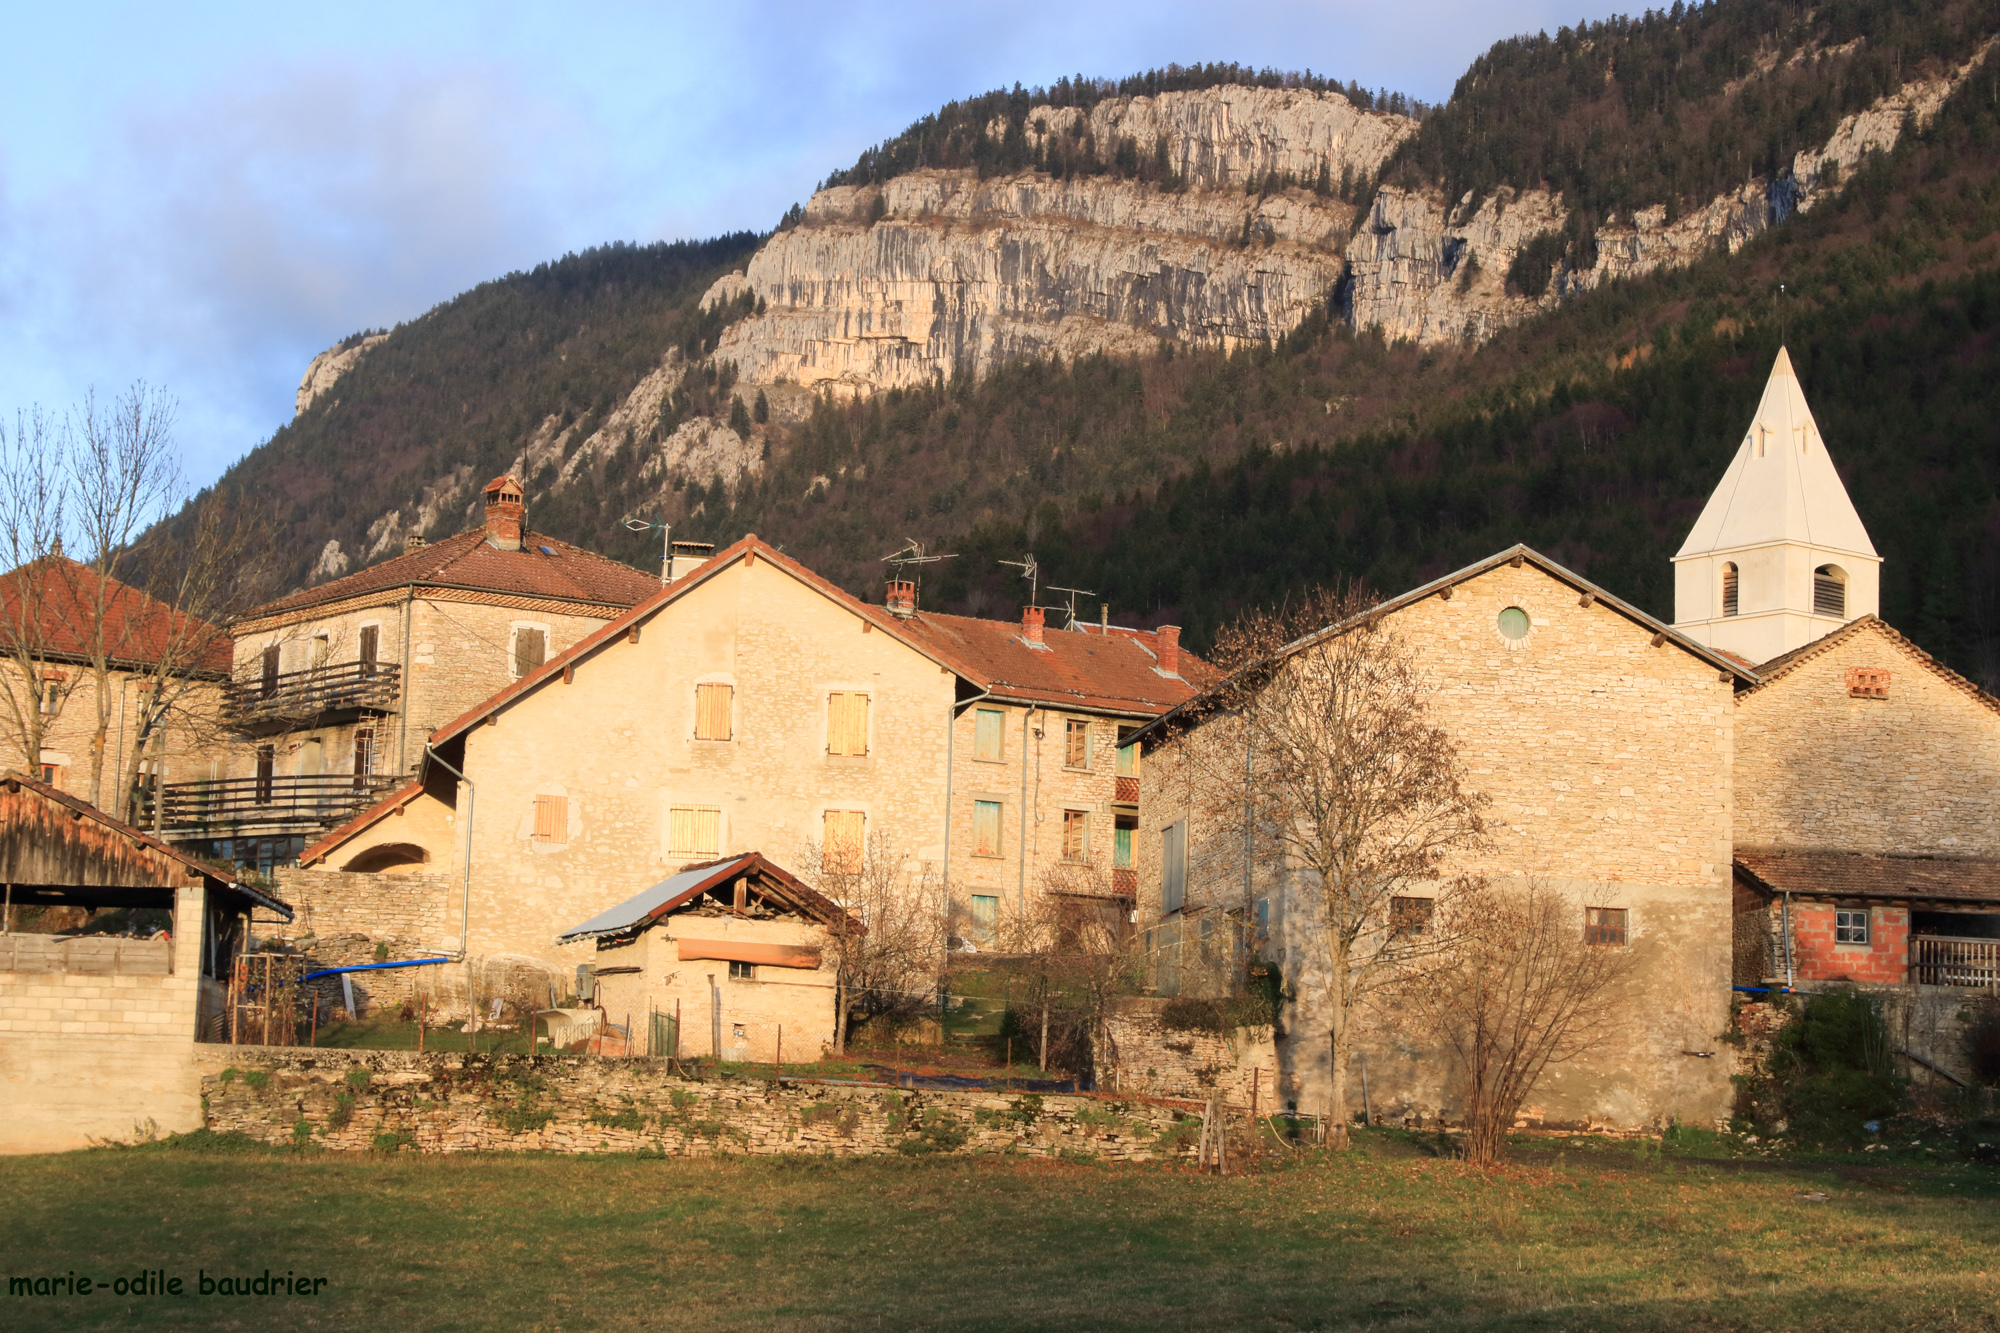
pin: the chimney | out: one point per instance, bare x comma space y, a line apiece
901, 599
506, 512
687, 558
414, 542
1167, 643
1031, 623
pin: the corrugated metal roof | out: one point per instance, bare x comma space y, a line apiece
663, 897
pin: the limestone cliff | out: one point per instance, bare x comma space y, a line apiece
330, 365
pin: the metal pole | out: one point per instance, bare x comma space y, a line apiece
1786, 921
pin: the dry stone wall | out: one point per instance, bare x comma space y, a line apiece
390, 1100
1145, 1056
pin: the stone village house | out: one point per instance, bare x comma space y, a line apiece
753, 707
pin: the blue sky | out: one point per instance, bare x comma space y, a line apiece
204, 196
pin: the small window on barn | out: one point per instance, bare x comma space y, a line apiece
1830, 592
713, 705
1076, 743
847, 723
1173, 867
1729, 590
989, 735
1850, 927
1076, 835
742, 971
1868, 682
531, 649
1605, 925
841, 846
1411, 916
986, 828
552, 819
694, 830
1513, 623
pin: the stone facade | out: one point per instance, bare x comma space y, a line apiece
1143, 1055
182, 747
353, 1100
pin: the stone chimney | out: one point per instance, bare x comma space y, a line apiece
1031, 623
414, 542
1167, 643
506, 512
901, 599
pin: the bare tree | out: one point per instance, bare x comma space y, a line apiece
889, 943
33, 499
1070, 958
1319, 756
1524, 988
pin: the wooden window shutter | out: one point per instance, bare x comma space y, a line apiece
1173, 868
847, 723
269, 680
712, 712
694, 830
552, 819
989, 737
1076, 744
1076, 835
530, 650
841, 846
986, 828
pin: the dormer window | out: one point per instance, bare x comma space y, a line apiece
1729, 590
1830, 592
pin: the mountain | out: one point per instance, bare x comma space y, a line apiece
1104, 319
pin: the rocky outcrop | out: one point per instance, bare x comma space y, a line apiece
891, 285
330, 365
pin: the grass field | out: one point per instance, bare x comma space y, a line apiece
1385, 1237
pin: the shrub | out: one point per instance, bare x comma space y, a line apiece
1982, 1043
394, 1142
628, 1118
228, 1076
1218, 1017
256, 1080
1831, 1068
357, 1079
935, 1130
342, 1113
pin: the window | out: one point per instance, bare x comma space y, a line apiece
1513, 623
52, 774
267, 764
1076, 744
1829, 592
694, 830
268, 681
986, 828
531, 649
1729, 590
1121, 845
1604, 925
713, 705
1850, 927
552, 819
1076, 835
52, 692
366, 647
985, 912
989, 735
1173, 867
742, 971
847, 723
1411, 916
364, 756
322, 649
1128, 758
840, 848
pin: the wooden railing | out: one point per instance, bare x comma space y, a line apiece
322, 800
256, 699
1125, 791
1125, 883
1943, 960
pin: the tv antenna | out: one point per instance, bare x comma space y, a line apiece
1030, 571
1074, 593
912, 553
666, 543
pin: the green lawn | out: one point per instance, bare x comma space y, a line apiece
1382, 1238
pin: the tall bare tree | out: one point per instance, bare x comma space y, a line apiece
889, 944
1523, 987
1320, 757
1069, 958
33, 501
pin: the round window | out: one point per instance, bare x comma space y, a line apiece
1514, 623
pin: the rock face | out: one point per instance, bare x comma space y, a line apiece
885, 286
329, 366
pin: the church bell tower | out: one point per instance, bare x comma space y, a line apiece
1778, 557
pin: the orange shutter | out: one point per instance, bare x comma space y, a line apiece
712, 712
552, 819
847, 723
694, 830
841, 850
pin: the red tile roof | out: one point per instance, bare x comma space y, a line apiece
1785, 663
1857, 875
543, 567
53, 603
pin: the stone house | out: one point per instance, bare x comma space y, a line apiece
334, 688
727, 960
98, 1033
1603, 740
751, 705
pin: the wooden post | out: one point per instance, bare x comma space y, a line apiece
423, 1005
314, 1039
778, 1065
1256, 1079
677, 1029
1367, 1114
267, 999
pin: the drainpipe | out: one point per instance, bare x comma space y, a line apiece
1787, 920
1021, 890
715, 1017
403, 689
465, 921
950, 737
118, 765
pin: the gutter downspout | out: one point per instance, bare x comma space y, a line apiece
465, 921
1021, 890
403, 688
951, 714
1787, 919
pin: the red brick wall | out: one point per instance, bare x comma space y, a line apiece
1815, 957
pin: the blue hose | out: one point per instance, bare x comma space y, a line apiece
371, 967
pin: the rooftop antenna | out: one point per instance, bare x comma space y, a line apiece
1074, 593
912, 553
1030, 571
666, 543
1781, 314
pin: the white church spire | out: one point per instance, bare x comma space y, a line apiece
1778, 557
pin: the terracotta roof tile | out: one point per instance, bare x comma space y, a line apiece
1783, 665
1858, 875
543, 567
1116, 671
61, 596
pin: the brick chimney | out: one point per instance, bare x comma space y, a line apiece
506, 512
1031, 623
1167, 643
414, 542
901, 598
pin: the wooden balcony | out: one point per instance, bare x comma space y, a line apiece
229, 807
1944, 960
260, 703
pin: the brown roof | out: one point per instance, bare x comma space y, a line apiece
60, 597
396, 799
1785, 663
543, 567
1859, 875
